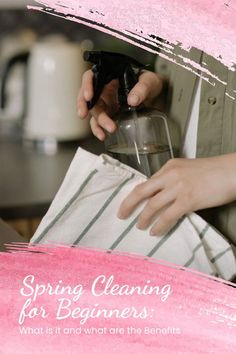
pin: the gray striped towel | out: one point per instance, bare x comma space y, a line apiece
84, 213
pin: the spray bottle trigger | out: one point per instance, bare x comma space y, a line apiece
98, 85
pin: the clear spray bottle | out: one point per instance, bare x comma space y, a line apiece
142, 139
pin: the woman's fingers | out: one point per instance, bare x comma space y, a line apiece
154, 206
140, 193
167, 219
101, 121
87, 85
82, 108
162, 202
102, 118
85, 94
97, 131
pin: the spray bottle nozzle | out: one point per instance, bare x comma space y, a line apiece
109, 66
92, 56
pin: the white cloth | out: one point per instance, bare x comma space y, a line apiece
84, 213
190, 141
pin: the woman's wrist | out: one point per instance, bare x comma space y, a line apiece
228, 166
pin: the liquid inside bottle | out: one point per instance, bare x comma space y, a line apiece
147, 160
141, 140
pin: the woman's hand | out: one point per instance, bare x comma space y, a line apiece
146, 90
180, 187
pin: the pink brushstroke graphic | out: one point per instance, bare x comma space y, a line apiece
205, 24
189, 312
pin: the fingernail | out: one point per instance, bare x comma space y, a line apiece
120, 215
100, 136
80, 112
140, 226
155, 233
87, 95
152, 233
134, 100
109, 128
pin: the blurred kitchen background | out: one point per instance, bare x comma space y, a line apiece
41, 67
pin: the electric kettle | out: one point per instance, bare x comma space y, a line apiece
54, 73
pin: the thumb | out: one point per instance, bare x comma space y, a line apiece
148, 86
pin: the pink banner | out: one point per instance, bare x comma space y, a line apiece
75, 300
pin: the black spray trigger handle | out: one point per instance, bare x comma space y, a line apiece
98, 85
